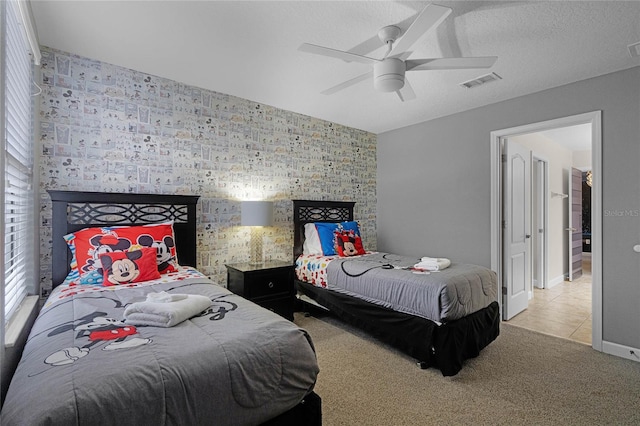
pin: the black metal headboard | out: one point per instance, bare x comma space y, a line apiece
306, 211
74, 210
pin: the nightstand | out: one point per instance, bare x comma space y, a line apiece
268, 284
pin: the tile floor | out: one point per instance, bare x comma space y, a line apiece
563, 310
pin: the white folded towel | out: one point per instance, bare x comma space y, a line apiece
163, 296
433, 263
172, 309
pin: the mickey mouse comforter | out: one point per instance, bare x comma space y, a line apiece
234, 363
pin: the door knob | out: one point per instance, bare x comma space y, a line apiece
636, 248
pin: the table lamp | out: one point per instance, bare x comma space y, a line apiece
256, 214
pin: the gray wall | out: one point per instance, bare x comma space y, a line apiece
434, 185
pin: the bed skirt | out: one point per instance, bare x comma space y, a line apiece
445, 346
308, 412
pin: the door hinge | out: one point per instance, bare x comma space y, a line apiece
504, 224
504, 291
504, 158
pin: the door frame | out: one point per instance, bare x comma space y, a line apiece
595, 119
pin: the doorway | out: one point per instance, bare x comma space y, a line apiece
562, 306
499, 252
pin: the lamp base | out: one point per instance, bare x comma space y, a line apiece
255, 246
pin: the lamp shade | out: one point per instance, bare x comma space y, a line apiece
256, 213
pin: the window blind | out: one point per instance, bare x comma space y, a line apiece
19, 230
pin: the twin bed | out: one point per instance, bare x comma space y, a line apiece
234, 363
440, 319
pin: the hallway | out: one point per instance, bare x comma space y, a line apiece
563, 310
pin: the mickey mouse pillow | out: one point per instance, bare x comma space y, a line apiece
87, 245
348, 243
125, 267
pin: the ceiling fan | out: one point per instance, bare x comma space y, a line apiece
389, 72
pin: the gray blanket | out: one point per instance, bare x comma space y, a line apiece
234, 364
441, 296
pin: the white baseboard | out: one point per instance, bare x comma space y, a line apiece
621, 351
555, 281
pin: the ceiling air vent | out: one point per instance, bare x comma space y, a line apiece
634, 50
481, 80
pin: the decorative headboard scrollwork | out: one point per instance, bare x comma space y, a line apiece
91, 213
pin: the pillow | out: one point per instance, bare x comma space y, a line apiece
87, 245
311, 243
160, 237
347, 243
326, 234
125, 267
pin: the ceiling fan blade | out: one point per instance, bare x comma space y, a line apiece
406, 93
430, 17
450, 63
351, 82
333, 53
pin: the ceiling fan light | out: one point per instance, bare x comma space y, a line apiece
388, 83
388, 75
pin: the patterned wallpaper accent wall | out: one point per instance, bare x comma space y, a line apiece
108, 128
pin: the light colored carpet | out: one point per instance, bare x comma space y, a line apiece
522, 378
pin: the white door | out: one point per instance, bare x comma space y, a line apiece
575, 224
540, 227
516, 227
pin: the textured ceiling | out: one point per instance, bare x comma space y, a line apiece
249, 49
